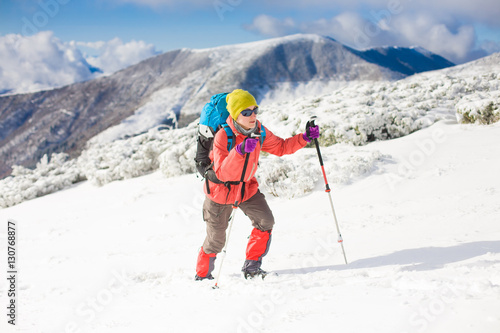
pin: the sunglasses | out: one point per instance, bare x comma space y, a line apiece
248, 112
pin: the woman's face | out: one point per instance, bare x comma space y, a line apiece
247, 122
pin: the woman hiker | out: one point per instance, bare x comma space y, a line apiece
228, 167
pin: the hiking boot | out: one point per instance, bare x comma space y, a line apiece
199, 278
251, 274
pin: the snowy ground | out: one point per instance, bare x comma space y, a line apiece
421, 232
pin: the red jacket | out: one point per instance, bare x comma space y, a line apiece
228, 165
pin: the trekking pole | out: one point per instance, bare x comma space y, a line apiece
327, 190
231, 218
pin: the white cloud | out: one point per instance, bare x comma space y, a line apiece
272, 27
114, 55
454, 44
42, 61
441, 35
485, 11
39, 62
490, 46
348, 28
353, 30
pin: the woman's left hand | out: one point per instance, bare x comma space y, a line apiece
312, 132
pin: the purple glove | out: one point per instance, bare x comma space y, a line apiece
247, 146
311, 133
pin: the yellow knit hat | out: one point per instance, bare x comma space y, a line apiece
239, 100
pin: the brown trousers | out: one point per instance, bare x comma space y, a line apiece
217, 218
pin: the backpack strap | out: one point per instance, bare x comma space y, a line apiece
262, 135
210, 174
230, 136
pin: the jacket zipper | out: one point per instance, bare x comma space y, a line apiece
251, 172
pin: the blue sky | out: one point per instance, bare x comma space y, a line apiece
167, 27
459, 30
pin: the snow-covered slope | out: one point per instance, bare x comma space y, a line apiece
420, 229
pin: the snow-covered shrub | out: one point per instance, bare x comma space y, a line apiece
298, 174
345, 166
328, 136
50, 175
120, 160
481, 108
288, 177
136, 156
178, 160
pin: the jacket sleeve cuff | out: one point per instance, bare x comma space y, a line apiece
238, 149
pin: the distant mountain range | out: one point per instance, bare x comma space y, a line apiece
407, 61
171, 88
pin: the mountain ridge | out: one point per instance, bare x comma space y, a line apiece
180, 81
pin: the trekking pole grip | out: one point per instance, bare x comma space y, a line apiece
311, 123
